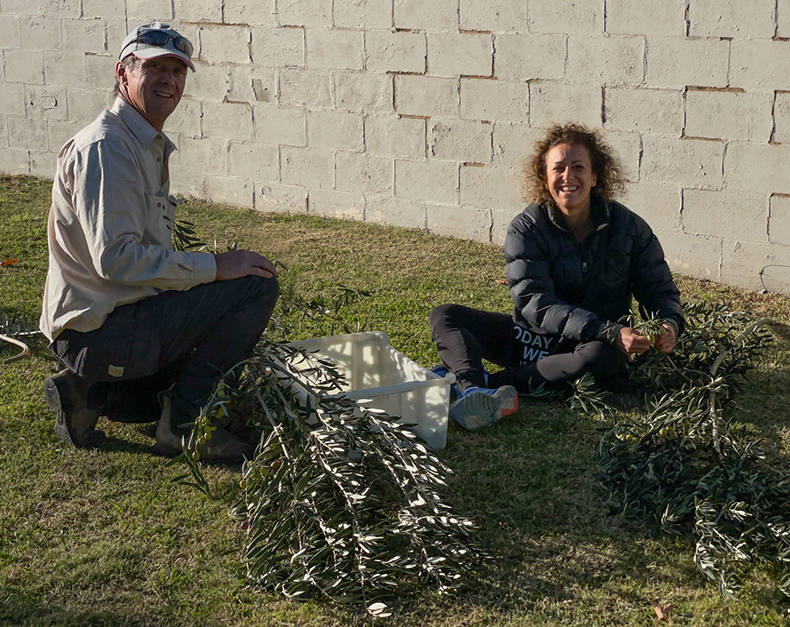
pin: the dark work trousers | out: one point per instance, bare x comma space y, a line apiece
184, 339
466, 336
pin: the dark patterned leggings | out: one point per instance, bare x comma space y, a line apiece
465, 336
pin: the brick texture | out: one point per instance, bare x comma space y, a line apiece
396, 137
553, 103
460, 140
427, 180
567, 16
489, 100
454, 54
659, 204
418, 14
676, 63
530, 56
657, 17
609, 60
363, 14
472, 223
494, 15
779, 220
733, 215
426, 95
730, 18
644, 110
395, 52
730, 115
687, 162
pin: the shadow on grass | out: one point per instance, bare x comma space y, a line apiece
14, 611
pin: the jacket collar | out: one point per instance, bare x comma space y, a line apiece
599, 212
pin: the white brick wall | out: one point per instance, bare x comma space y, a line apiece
420, 114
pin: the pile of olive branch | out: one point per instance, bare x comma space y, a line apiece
339, 500
684, 467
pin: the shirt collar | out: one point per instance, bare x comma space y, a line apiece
138, 125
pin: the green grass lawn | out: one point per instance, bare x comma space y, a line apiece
103, 537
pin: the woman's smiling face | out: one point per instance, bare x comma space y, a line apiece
570, 177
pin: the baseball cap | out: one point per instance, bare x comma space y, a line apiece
157, 39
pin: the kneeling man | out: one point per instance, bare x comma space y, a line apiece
133, 320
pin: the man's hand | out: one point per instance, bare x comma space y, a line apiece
665, 342
631, 342
235, 264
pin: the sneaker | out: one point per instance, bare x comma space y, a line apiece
76, 424
222, 446
481, 407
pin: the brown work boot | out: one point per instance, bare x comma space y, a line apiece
76, 424
221, 447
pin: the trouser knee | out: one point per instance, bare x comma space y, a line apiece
441, 316
257, 289
602, 360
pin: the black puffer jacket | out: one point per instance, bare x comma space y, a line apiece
561, 287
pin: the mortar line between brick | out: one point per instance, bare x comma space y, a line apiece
773, 119
776, 19
685, 113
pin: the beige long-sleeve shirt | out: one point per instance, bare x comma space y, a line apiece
110, 224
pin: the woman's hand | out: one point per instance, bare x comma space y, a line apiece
665, 343
631, 342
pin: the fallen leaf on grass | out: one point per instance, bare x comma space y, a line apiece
500, 281
662, 611
7, 262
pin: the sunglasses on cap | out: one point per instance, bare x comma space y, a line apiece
160, 38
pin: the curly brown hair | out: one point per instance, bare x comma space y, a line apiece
605, 165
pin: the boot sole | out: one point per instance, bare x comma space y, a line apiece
59, 399
53, 397
482, 410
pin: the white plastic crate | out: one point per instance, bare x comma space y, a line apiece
379, 376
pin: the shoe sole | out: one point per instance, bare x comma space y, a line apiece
479, 410
58, 400
53, 397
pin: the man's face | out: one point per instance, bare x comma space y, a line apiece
153, 87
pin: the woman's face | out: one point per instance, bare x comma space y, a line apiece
570, 178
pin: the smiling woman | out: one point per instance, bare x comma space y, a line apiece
575, 257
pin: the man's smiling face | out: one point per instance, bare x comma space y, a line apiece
153, 86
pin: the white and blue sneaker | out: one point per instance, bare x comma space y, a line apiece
481, 407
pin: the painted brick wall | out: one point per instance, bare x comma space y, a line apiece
418, 113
